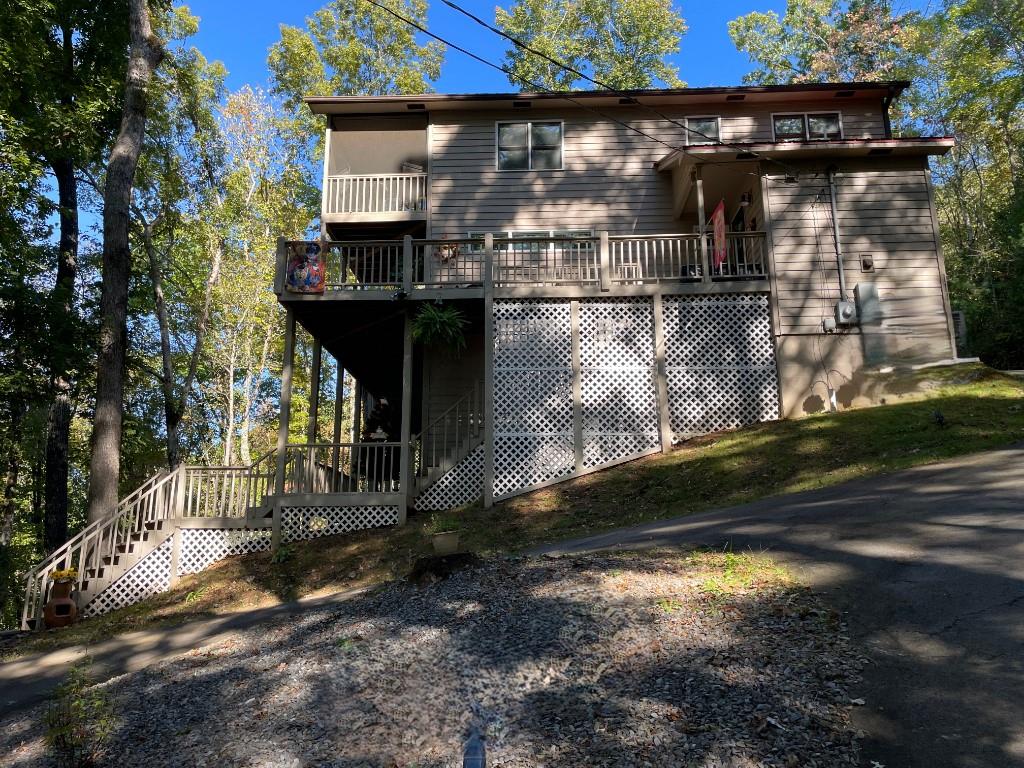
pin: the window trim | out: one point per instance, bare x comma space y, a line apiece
702, 143
529, 146
807, 127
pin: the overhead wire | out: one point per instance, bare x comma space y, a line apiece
605, 86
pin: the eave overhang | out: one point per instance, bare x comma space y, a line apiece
800, 150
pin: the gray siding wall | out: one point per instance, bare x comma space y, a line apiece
884, 211
608, 181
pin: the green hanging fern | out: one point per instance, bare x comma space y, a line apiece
440, 326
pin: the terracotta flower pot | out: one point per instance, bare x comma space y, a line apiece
60, 610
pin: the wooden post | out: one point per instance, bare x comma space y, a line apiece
286, 399
175, 557
405, 470
324, 193
179, 492
577, 384
314, 393
407, 263
605, 260
339, 410
702, 225
488, 403
661, 377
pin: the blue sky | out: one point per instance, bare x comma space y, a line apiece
241, 37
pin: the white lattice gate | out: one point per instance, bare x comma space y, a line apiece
720, 362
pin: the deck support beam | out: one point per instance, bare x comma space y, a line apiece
286, 399
314, 393
339, 412
661, 376
488, 404
577, 385
702, 225
405, 471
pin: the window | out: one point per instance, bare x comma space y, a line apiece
555, 234
702, 130
814, 125
529, 146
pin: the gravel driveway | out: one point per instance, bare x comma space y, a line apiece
596, 660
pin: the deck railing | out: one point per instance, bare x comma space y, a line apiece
603, 261
217, 491
376, 193
343, 468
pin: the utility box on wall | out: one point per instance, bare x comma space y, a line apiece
869, 310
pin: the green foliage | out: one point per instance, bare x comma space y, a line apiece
623, 44
78, 721
824, 41
196, 595
441, 326
282, 555
442, 522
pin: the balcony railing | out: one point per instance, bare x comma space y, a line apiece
600, 263
397, 193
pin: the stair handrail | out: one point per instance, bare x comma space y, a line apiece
100, 538
472, 403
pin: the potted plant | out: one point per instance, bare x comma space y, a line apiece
60, 610
440, 326
444, 532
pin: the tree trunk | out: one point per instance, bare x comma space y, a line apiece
104, 469
62, 334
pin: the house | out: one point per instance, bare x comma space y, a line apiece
634, 268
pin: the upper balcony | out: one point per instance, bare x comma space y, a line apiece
523, 266
366, 197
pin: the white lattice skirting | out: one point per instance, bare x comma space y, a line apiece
150, 576
460, 485
312, 522
720, 362
202, 547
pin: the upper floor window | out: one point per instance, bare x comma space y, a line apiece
703, 130
529, 146
813, 125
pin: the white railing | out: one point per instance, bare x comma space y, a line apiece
544, 261
215, 491
362, 265
658, 259
343, 468
450, 436
89, 550
376, 193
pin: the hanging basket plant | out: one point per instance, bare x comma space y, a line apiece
440, 326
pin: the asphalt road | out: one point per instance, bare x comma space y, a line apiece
928, 566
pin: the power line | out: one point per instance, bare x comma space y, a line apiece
539, 88
622, 94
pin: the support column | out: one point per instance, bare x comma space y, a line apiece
577, 385
286, 399
702, 225
405, 471
488, 403
314, 393
339, 410
661, 377
357, 424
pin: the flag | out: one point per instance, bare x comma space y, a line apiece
718, 227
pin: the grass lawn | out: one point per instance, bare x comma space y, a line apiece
980, 409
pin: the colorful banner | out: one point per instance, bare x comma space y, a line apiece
719, 249
305, 268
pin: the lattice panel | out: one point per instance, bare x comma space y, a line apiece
531, 402
533, 380
617, 387
460, 485
315, 521
148, 577
720, 362
201, 547
532, 335
524, 461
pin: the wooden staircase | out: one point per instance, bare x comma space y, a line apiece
448, 439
